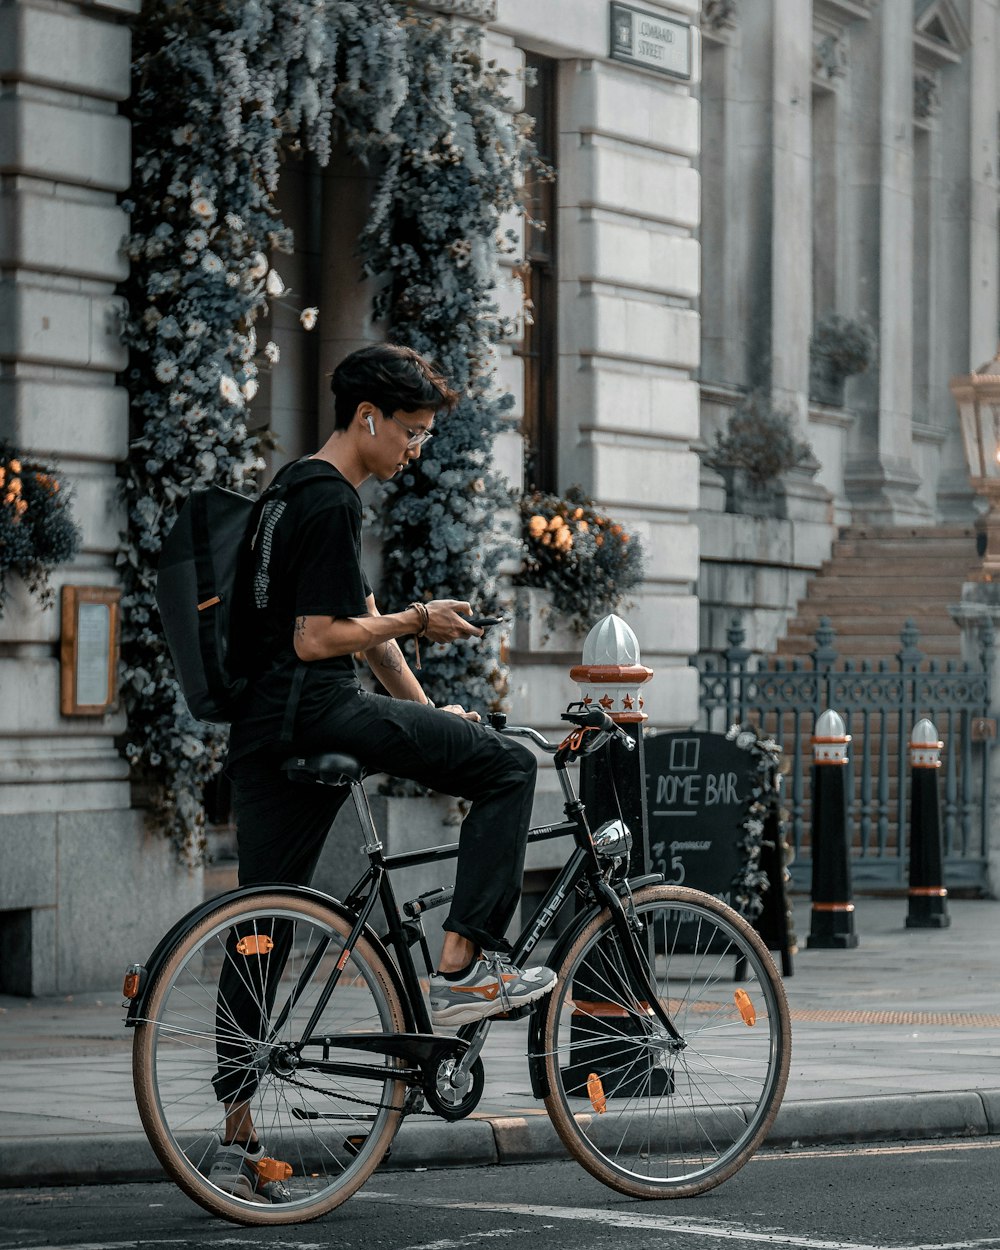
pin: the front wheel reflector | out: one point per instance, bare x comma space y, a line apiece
745, 1008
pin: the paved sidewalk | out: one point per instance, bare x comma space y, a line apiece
898, 1038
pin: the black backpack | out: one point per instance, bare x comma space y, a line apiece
201, 590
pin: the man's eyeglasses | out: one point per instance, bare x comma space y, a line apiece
417, 437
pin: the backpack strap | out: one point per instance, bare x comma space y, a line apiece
204, 580
279, 489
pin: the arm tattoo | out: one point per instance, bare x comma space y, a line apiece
390, 656
300, 626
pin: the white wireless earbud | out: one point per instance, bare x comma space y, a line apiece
371, 424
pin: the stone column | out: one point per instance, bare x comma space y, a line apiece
629, 332
791, 196
82, 887
879, 476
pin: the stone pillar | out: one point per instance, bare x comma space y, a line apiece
879, 476
82, 888
629, 332
791, 217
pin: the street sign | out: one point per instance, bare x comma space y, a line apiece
651, 40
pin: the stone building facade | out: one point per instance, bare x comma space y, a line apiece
811, 156
849, 165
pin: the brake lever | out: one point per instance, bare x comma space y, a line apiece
624, 738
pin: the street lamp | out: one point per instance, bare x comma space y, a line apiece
978, 398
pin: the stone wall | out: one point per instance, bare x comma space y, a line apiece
83, 890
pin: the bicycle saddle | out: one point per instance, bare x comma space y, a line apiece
329, 769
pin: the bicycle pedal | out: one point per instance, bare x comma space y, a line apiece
516, 1013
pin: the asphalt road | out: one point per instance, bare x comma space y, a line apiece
921, 1196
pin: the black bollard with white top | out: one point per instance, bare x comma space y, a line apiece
928, 898
832, 924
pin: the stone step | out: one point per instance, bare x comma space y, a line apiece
875, 623
829, 586
870, 564
905, 533
877, 646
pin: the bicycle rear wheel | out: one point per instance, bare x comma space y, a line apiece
236, 990
647, 1118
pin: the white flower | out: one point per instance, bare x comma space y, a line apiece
196, 239
166, 371
249, 388
211, 263
188, 257
273, 352
183, 134
234, 221
196, 328
150, 317
274, 285
308, 317
232, 279
258, 265
203, 208
229, 391
177, 399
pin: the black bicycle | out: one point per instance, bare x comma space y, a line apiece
661, 1054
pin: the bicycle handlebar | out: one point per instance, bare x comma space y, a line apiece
591, 718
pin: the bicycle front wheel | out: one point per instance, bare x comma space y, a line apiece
649, 1116
222, 1029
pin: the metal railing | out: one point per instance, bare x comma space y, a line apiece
880, 701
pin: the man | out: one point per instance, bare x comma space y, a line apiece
312, 611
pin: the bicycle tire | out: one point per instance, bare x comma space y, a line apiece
674, 1124
175, 1056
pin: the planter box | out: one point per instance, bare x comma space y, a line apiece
538, 628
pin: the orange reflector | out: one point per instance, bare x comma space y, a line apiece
745, 1008
595, 1091
256, 945
131, 986
273, 1169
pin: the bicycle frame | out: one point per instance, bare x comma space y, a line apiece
422, 1048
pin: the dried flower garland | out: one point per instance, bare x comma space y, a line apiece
452, 166
752, 882
217, 92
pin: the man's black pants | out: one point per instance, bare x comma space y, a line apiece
281, 826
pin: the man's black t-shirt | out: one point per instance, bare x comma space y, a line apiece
306, 561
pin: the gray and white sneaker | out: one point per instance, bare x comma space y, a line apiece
492, 986
246, 1172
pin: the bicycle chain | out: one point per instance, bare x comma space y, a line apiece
364, 1102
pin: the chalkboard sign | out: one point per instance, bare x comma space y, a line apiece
698, 789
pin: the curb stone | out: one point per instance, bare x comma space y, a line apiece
122, 1157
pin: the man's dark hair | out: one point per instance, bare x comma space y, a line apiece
391, 378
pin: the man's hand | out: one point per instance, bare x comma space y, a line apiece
447, 621
457, 710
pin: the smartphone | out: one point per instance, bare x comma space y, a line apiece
484, 622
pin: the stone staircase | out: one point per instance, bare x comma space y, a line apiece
878, 578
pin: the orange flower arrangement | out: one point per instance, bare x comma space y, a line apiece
37, 531
586, 561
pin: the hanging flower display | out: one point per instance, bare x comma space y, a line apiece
585, 560
37, 531
218, 92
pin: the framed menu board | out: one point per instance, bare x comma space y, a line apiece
89, 650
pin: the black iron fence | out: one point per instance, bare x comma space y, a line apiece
880, 701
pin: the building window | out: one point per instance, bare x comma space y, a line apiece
539, 347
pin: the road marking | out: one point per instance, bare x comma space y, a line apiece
719, 1229
821, 1152
455, 1243
137, 1243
